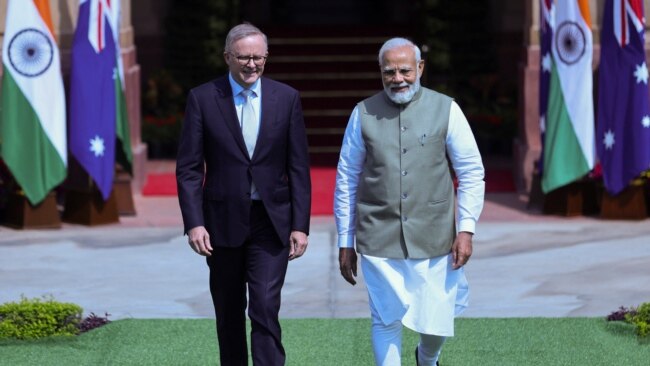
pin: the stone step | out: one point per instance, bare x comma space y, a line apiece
325, 84
322, 46
334, 69
322, 64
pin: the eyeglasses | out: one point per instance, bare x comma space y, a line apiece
244, 60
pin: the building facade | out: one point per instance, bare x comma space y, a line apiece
512, 61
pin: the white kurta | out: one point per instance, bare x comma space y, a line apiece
425, 294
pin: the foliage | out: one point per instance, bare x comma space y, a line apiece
38, 318
93, 321
459, 50
458, 42
621, 314
194, 38
642, 179
195, 31
641, 319
432, 25
162, 106
492, 115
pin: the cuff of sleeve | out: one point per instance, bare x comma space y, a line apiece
468, 225
346, 241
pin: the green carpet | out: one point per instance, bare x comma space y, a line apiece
339, 342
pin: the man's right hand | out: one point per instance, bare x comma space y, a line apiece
348, 264
199, 239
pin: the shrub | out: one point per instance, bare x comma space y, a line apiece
641, 319
93, 321
38, 318
621, 314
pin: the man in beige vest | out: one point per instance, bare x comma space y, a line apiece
395, 195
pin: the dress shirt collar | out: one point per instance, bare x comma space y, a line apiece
237, 89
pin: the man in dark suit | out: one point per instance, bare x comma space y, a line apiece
245, 194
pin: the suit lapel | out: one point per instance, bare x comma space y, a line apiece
269, 99
226, 103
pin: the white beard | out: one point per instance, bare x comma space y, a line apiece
405, 96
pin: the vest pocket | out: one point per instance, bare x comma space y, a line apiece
437, 202
371, 203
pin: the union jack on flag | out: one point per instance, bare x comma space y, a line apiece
626, 12
97, 24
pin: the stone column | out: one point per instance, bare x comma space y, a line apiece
527, 145
132, 82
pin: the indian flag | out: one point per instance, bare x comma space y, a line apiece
569, 150
33, 116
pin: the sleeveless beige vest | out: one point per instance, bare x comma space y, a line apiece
405, 203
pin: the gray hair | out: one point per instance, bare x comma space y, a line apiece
242, 31
398, 42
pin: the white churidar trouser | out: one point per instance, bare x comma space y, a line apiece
424, 295
387, 344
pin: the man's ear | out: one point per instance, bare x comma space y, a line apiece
420, 67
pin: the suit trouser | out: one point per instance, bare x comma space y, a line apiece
261, 263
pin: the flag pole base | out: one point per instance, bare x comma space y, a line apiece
20, 214
123, 193
87, 207
574, 199
631, 204
536, 196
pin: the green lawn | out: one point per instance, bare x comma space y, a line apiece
339, 342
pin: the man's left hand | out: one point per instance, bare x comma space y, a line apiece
297, 244
461, 250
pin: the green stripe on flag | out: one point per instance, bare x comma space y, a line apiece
24, 146
564, 161
123, 154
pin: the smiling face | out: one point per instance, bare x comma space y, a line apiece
401, 73
252, 47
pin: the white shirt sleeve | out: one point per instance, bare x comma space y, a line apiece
466, 161
348, 173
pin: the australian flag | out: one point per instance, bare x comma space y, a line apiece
623, 120
92, 93
546, 64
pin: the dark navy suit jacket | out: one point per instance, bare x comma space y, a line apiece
214, 171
